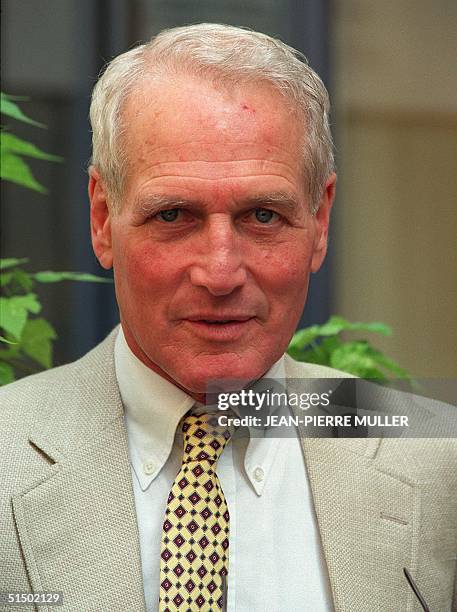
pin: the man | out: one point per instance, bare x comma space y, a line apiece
211, 187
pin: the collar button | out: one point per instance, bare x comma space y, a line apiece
149, 467
259, 474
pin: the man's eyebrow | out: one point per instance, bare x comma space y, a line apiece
284, 199
153, 203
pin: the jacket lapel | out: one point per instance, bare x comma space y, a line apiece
368, 517
77, 523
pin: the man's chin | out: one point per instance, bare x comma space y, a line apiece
201, 379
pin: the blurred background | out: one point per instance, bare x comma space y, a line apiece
390, 69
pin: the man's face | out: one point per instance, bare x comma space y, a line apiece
214, 243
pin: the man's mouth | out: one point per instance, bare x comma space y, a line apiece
222, 321
220, 328
218, 320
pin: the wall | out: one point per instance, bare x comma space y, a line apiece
396, 216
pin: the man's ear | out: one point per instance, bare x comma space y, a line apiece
322, 220
100, 220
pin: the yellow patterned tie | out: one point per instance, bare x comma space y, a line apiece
195, 536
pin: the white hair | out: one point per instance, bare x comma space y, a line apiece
229, 53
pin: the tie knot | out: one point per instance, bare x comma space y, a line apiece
204, 438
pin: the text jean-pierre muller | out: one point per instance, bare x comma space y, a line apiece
327, 420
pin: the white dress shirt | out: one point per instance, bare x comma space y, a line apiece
275, 555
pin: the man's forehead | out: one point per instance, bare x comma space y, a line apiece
208, 102
189, 129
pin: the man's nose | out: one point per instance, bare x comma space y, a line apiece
218, 265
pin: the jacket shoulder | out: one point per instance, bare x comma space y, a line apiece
27, 399
24, 403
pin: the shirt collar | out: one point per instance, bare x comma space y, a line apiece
153, 409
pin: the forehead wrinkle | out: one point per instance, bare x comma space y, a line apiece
223, 179
218, 167
152, 147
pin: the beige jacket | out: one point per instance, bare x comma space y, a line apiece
67, 514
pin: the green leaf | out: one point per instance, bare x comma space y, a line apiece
5, 279
327, 347
336, 325
6, 373
357, 358
9, 108
3, 339
303, 337
331, 343
15, 169
314, 355
295, 353
19, 280
37, 340
11, 262
14, 312
13, 144
375, 327
320, 344
392, 366
15, 98
55, 277
24, 279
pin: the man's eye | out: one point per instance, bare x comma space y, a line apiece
169, 215
264, 215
